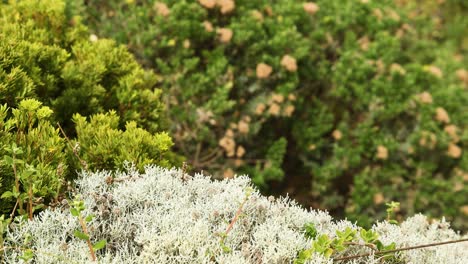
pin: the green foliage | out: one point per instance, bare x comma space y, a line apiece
328, 247
49, 55
34, 163
104, 146
76, 209
370, 97
53, 71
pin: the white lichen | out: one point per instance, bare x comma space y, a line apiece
164, 216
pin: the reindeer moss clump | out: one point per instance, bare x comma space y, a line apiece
167, 216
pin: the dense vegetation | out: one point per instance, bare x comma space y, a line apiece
54, 77
345, 105
358, 107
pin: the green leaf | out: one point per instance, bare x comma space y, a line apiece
27, 255
74, 211
100, 244
7, 194
89, 218
8, 160
310, 230
80, 235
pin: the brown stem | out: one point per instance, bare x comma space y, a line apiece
13, 212
30, 205
402, 249
371, 246
238, 213
82, 162
88, 241
17, 186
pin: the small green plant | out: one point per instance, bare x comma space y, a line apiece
392, 207
326, 246
77, 207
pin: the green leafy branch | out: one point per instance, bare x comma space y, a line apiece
77, 207
23, 177
326, 246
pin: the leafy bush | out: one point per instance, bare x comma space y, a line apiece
34, 162
49, 55
356, 102
167, 216
50, 70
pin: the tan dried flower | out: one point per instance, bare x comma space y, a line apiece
337, 135
268, 10
378, 13
312, 147
289, 63
257, 15
161, 9
464, 209
260, 108
462, 75
428, 140
204, 116
279, 98
365, 1
395, 67
186, 44
382, 152
229, 133
454, 151
311, 8
238, 162
425, 98
392, 14
207, 3
228, 173
274, 109
442, 115
228, 144
263, 70
378, 198
364, 43
243, 127
226, 6
289, 110
240, 151
434, 70
451, 130
292, 97
208, 26
225, 35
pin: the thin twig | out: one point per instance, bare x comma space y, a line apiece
401, 249
88, 241
236, 217
82, 162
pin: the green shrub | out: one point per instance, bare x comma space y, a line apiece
51, 56
53, 71
367, 97
103, 146
33, 156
